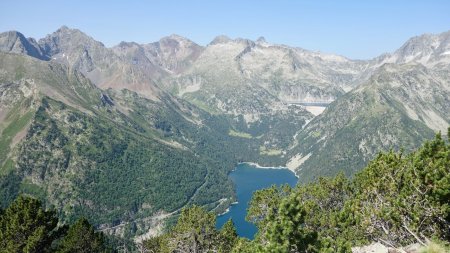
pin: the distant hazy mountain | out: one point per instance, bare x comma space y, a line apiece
173, 53
250, 69
428, 49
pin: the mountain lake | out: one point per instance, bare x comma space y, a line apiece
247, 179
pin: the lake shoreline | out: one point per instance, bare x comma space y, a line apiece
248, 178
228, 209
256, 165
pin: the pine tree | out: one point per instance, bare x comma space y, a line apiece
195, 231
81, 237
227, 237
157, 244
26, 227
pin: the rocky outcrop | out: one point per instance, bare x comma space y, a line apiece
15, 42
380, 248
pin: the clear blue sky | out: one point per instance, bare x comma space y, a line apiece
357, 29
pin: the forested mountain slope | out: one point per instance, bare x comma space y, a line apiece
114, 156
159, 125
400, 106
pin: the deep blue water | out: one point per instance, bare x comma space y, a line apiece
248, 179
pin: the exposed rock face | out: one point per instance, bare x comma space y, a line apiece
427, 49
286, 74
174, 53
220, 39
372, 248
101, 65
158, 60
380, 248
16, 42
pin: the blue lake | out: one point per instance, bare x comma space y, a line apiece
248, 179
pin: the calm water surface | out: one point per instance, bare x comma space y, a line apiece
247, 180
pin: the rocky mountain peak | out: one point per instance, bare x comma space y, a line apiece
175, 41
15, 42
418, 46
175, 37
66, 40
125, 44
173, 53
65, 31
64, 27
261, 39
220, 40
427, 49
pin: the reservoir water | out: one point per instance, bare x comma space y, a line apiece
248, 179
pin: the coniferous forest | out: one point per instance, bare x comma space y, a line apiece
398, 199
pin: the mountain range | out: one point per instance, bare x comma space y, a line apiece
130, 134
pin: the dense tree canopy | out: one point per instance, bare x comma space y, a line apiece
227, 237
397, 200
81, 237
195, 232
25, 226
